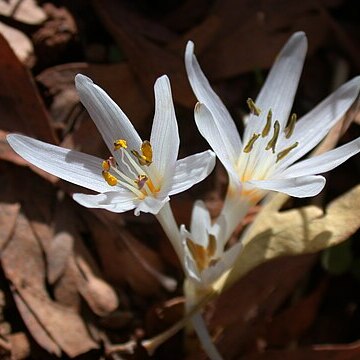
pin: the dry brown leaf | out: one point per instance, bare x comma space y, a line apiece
54, 327
19, 42
21, 108
301, 231
8, 216
25, 11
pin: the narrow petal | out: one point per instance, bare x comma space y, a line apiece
110, 120
206, 95
115, 201
314, 126
70, 165
325, 162
211, 131
151, 205
280, 87
191, 170
212, 273
200, 223
164, 134
301, 187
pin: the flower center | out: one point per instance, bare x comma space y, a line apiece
203, 257
252, 163
134, 172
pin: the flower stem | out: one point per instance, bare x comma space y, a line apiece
166, 219
204, 337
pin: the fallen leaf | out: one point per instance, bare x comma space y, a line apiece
300, 231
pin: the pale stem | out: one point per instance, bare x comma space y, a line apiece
167, 221
194, 296
204, 337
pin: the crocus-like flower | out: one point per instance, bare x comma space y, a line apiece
205, 257
273, 139
139, 175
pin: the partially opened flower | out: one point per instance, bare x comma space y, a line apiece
205, 257
273, 139
139, 175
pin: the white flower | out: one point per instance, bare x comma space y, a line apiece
272, 141
205, 258
139, 175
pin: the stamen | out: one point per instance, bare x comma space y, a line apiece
120, 143
110, 179
105, 165
272, 143
141, 181
251, 142
291, 126
267, 127
211, 248
252, 107
146, 157
198, 253
284, 152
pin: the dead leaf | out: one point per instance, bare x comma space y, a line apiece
21, 108
54, 327
26, 11
19, 42
301, 231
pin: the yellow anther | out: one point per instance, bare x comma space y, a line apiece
284, 152
105, 165
146, 150
272, 143
110, 179
141, 181
251, 142
267, 127
120, 143
252, 107
290, 126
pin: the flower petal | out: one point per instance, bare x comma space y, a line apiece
212, 273
200, 224
211, 131
164, 134
151, 205
206, 95
325, 162
110, 120
303, 186
313, 127
191, 170
115, 201
281, 84
70, 165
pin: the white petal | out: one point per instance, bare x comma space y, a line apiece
280, 87
212, 273
303, 186
150, 205
110, 120
313, 127
164, 134
206, 95
115, 201
191, 170
70, 165
325, 162
211, 131
200, 224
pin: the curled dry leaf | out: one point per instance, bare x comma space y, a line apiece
25, 11
56, 328
298, 231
